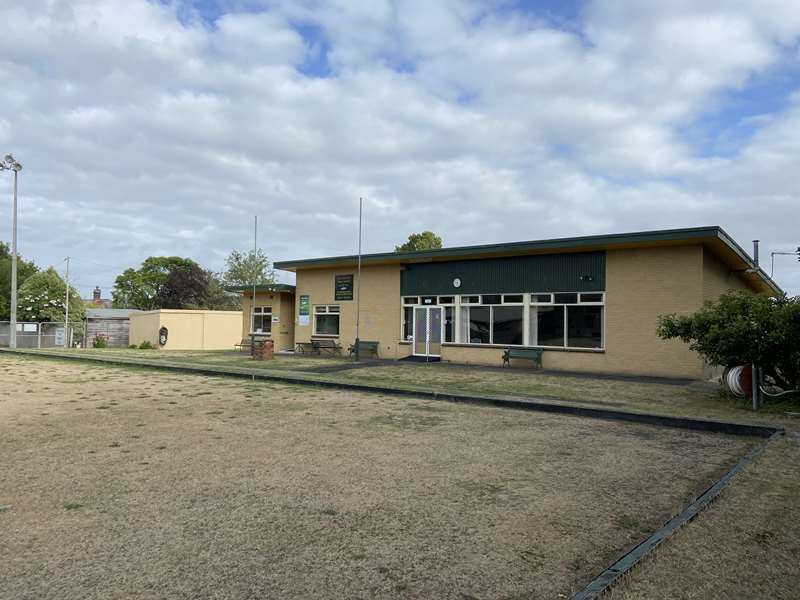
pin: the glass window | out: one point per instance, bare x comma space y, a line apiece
542, 298
592, 297
410, 300
428, 300
507, 325
446, 300
479, 324
566, 298
491, 299
584, 326
449, 324
262, 319
470, 299
512, 299
549, 326
408, 323
326, 320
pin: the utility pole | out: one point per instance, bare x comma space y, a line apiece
358, 284
255, 275
66, 307
9, 164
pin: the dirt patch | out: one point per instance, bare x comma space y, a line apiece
185, 486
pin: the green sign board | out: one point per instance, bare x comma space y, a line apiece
304, 306
344, 287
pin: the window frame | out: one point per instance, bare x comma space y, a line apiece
327, 310
262, 313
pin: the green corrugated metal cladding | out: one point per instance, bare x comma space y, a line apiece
571, 272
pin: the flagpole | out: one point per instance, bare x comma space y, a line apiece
358, 284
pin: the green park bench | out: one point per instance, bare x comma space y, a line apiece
534, 354
331, 347
365, 348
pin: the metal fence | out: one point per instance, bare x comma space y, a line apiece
39, 335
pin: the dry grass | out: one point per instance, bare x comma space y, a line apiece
122, 482
698, 399
746, 545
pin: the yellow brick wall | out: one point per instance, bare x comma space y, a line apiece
282, 307
641, 284
188, 329
718, 278
380, 306
144, 326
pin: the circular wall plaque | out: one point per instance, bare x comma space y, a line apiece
456, 283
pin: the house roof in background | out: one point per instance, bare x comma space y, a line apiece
713, 237
110, 313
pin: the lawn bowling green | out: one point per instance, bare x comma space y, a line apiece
137, 483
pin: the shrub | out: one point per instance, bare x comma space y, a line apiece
146, 345
741, 328
100, 341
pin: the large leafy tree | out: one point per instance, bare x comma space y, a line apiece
246, 268
24, 270
425, 240
41, 299
217, 298
185, 287
741, 328
142, 288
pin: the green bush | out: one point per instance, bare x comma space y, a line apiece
133, 347
740, 328
146, 345
100, 341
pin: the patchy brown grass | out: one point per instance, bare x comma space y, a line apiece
746, 545
185, 486
697, 399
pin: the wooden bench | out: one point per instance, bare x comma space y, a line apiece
365, 348
331, 347
534, 354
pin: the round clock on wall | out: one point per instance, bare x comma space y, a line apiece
456, 283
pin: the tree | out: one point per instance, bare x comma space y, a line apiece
426, 240
142, 288
243, 269
24, 270
41, 299
185, 287
219, 299
741, 328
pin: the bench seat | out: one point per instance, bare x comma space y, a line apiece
534, 354
365, 348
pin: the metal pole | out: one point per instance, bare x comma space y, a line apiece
13, 339
358, 284
66, 307
255, 278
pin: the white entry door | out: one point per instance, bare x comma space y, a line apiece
428, 331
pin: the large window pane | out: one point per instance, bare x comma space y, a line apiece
449, 324
479, 324
327, 324
585, 326
550, 325
408, 323
507, 321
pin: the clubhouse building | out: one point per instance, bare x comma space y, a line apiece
590, 304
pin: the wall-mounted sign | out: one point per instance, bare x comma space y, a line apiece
456, 283
344, 287
304, 306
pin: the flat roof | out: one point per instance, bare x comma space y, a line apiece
713, 237
280, 288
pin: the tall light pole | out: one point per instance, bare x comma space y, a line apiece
9, 164
66, 308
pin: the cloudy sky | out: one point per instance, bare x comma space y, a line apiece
162, 127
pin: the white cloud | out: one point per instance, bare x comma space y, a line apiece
142, 135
